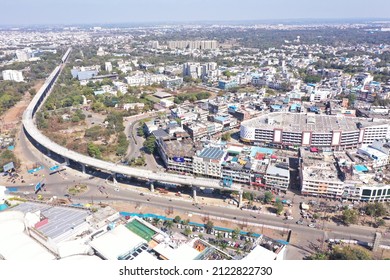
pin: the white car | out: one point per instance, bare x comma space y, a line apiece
311, 225
289, 218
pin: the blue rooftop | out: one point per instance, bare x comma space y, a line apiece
211, 153
220, 118
256, 150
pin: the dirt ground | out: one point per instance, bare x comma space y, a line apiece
14, 114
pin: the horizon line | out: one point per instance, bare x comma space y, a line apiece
176, 22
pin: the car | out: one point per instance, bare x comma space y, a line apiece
311, 225
300, 222
142, 194
289, 218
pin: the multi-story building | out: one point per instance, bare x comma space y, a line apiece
173, 82
321, 131
108, 67
340, 175
225, 85
277, 176
13, 75
208, 162
202, 45
177, 154
318, 175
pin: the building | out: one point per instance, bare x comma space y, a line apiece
177, 155
342, 175
336, 132
277, 176
226, 85
201, 45
23, 55
208, 162
108, 67
13, 75
319, 176
173, 82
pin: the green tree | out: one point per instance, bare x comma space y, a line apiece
226, 137
209, 226
169, 225
268, 196
156, 221
235, 233
279, 207
187, 232
177, 219
123, 144
94, 151
350, 216
375, 209
380, 223
140, 131
348, 253
150, 144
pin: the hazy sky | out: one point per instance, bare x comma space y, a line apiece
13, 12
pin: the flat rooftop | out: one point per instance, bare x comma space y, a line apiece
183, 148
211, 153
61, 219
295, 122
319, 167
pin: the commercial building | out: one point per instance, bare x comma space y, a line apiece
225, 85
173, 82
208, 162
336, 132
201, 45
319, 176
342, 175
177, 154
13, 75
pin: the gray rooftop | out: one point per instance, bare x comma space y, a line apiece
274, 170
61, 219
211, 153
294, 122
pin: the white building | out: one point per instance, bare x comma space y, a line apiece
13, 75
23, 55
108, 66
209, 162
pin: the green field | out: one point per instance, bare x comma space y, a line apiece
141, 230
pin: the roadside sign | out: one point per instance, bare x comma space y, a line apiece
55, 167
35, 169
38, 186
9, 166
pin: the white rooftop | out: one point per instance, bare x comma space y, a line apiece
259, 253
15, 243
116, 242
181, 253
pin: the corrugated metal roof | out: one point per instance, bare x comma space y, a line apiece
211, 153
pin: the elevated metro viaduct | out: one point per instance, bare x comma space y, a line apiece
73, 159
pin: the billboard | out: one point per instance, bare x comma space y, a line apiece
38, 186
55, 167
178, 159
8, 166
35, 169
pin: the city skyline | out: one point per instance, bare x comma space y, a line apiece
40, 12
